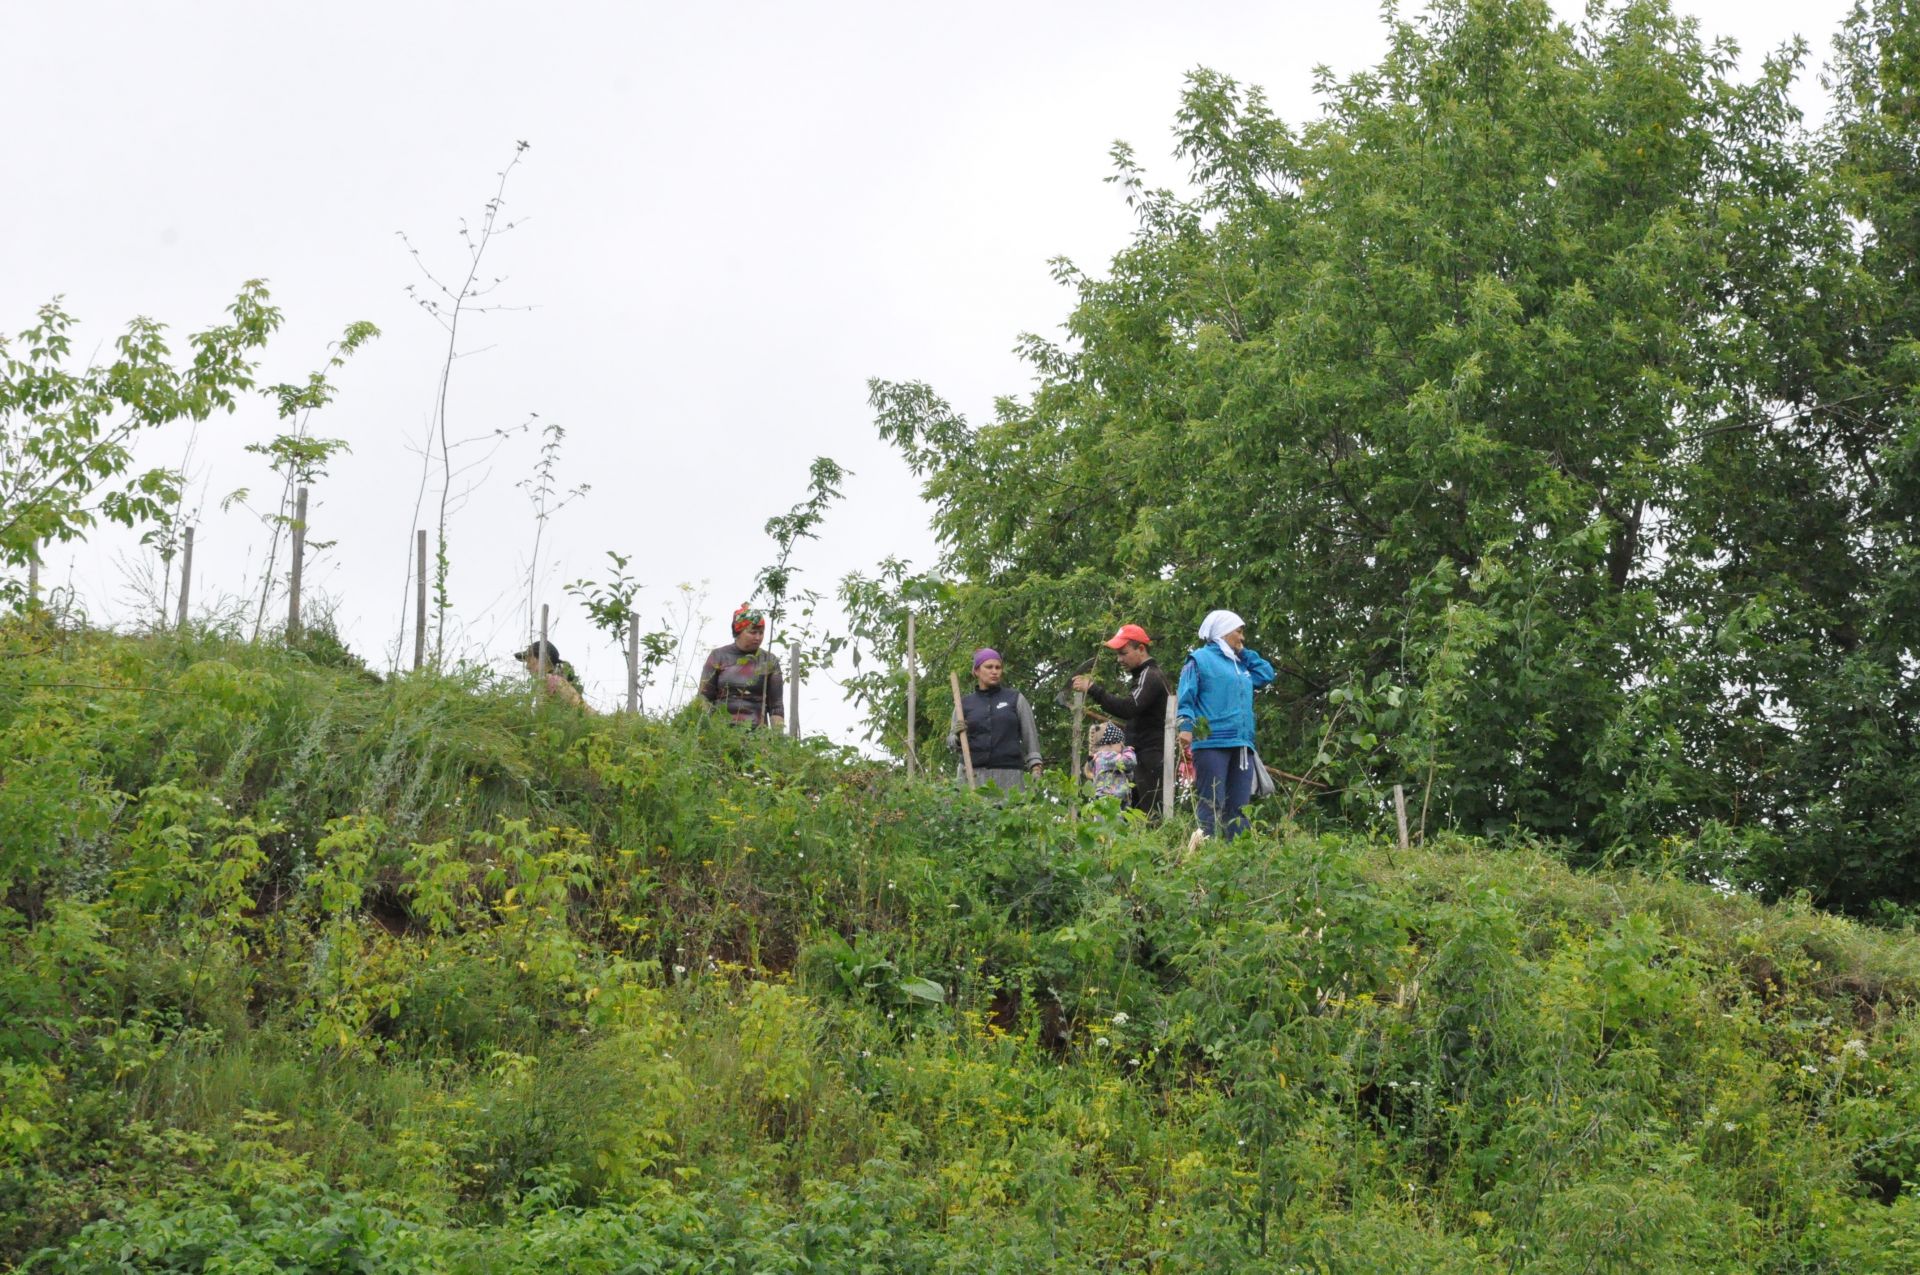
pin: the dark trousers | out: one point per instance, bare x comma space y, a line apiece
1147, 784
1223, 779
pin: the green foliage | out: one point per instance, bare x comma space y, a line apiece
799, 523
67, 436
1551, 379
610, 608
338, 974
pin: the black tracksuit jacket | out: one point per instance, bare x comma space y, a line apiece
1142, 713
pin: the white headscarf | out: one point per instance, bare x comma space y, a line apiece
1216, 627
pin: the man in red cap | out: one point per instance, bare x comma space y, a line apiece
1142, 712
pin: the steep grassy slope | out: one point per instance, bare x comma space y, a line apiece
306, 971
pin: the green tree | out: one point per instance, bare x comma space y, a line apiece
67, 434
1481, 395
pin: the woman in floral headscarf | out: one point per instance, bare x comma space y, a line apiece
744, 679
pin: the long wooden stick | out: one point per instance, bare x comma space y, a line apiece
960, 721
763, 716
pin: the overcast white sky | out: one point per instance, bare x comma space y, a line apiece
732, 216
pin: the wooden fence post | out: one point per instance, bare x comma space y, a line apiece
633, 663
540, 658
793, 689
299, 557
186, 576
913, 697
1079, 720
1169, 757
420, 602
1400, 813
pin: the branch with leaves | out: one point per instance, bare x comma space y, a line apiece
296, 455
610, 608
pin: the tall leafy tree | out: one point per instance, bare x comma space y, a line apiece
1509, 398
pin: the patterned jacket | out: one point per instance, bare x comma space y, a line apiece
749, 687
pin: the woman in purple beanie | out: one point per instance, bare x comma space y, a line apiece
1001, 737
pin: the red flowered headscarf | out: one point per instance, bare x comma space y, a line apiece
746, 617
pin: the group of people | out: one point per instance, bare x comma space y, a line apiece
740, 678
1213, 704
995, 736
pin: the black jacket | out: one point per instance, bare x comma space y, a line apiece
1000, 731
1143, 713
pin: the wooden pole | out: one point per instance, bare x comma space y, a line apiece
793, 689
33, 577
766, 711
420, 602
186, 576
1079, 720
1400, 813
913, 696
1169, 757
960, 724
633, 663
299, 557
544, 670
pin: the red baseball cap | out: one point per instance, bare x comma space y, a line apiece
1129, 633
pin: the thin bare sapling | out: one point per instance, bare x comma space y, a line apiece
543, 493
449, 299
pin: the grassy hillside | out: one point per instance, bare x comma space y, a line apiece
308, 971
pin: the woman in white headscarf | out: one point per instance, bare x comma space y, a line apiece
1216, 704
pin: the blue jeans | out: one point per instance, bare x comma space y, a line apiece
1223, 781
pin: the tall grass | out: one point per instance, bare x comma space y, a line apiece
310, 970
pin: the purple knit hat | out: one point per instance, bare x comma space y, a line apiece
984, 654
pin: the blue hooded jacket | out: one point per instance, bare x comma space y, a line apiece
1220, 691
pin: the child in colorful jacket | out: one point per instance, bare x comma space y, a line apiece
1110, 762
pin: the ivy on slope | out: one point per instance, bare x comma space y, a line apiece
306, 970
